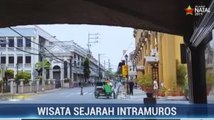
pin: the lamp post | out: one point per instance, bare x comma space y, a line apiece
17, 79
127, 76
99, 66
71, 72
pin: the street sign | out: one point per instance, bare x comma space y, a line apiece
125, 70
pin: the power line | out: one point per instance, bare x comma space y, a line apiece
36, 44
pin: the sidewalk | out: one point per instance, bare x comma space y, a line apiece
22, 96
139, 95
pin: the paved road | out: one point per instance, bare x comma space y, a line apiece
72, 95
65, 95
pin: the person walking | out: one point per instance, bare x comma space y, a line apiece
131, 86
155, 87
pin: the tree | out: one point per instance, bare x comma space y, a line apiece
86, 71
9, 74
23, 75
86, 68
38, 66
181, 73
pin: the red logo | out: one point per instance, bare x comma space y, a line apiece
189, 10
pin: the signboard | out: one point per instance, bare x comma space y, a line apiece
125, 70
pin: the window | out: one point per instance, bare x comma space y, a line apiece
11, 42
11, 59
3, 60
27, 42
19, 42
19, 59
75, 64
3, 42
28, 59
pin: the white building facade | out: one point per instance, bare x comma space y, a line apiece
21, 49
17, 40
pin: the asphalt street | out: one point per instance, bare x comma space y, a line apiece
64, 95
72, 95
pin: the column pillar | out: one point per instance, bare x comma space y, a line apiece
51, 73
49, 84
30, 83
37, 85
11, 86
62, 76
22, 85
53, 82
197, 75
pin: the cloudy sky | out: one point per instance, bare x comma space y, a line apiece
111, 40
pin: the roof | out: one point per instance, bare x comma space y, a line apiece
26, 31
158, 15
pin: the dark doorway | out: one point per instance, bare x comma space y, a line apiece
56, 76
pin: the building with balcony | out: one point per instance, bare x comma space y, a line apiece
22, 47
69, 65
157, 54
131, 66
19, 39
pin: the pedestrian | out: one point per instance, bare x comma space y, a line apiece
155, 87
131, 86
79, 84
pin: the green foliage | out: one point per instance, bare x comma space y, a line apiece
1, 81
181, 73
23, 75
9, 74
86, 69
145, 81
46, 63
66, 80
210, 79
109, 73
162, 89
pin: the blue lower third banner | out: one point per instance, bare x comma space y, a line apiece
105, 111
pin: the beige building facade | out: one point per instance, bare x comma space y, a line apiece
157, 54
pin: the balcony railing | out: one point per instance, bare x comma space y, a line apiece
151, 59
140, 67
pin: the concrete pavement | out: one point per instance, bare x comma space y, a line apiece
139, 95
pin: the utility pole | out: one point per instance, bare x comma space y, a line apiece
71, 74
43, 69
94, 37
99, 65
104, 64
1, 75
17, 80
109, 65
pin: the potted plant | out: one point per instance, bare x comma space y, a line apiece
146, 84
181, 73
210, 82
162, 91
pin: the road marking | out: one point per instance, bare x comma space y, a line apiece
14, 100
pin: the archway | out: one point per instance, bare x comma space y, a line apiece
56, 76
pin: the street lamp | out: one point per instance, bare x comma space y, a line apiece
17, 79
127, 76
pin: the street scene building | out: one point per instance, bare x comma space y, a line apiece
173, 51
68, 65
158, 54
23, 47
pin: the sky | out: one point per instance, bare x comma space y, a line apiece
111, 40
